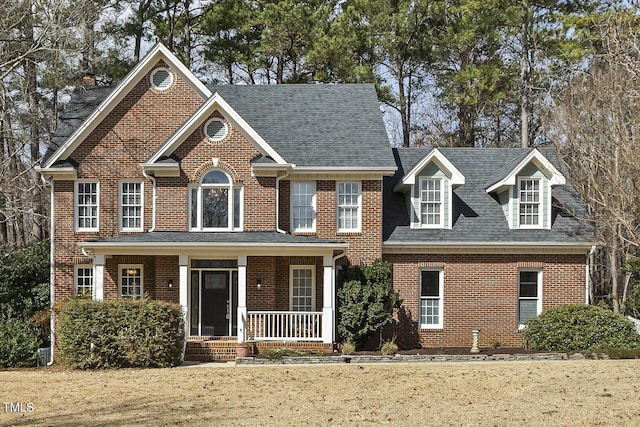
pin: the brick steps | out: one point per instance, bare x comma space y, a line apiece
209, 349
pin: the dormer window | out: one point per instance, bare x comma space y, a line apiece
431, 202
530, 199
216, 204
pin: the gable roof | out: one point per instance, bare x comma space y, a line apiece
478, 218
215, 103
113, 97
506, 176
435, 156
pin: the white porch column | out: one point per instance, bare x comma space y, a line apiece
242, 298
328, 310
98, 278
183, 261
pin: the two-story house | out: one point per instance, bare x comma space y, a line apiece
239, 203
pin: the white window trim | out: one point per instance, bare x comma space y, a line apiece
153, 85
441, 223
357, 229
313, 284
521, 326
123, 266
541, 203
76, 218
440, 324
224, 124
312, 229
231, 209
121, 207
76, 275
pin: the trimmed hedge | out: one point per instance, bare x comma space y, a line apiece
580, 327
118, 334
18, 342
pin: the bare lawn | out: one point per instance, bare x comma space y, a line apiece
535, 393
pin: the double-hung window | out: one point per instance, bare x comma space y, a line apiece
431, 296
86, 209
131, 206
529, 295
431, 202
130, 281
303, 206
302, 288
216, 204
83, 280
529, 196
349, 206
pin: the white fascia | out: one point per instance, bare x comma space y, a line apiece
215, 103
157, 53
64, 174
541, 162
455, 176
485, 247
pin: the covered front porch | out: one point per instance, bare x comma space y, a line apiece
280, 292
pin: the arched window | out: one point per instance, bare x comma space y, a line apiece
216, 204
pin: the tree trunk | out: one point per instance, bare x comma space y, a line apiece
525, 77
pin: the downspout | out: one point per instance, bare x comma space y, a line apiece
587, 278
278, 229
153, 205
49, 183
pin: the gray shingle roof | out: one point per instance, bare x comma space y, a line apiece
84, 101
315, 125
309, 125
477, 216
247, 237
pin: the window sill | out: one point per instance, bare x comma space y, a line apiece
431, 327
303, 233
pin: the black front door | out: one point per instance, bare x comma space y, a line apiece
215, 303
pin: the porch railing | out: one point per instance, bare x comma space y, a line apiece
284, 325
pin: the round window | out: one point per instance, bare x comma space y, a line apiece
216, 130
161, 78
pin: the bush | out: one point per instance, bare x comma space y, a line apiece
348, 348
120, 333
578, 328
19, 342
389, 348
367, 301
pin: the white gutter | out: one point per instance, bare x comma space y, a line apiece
51, 265
587, 278
278, 178
153, 197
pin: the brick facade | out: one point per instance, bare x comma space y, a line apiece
480, 291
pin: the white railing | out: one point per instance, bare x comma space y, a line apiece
284, 325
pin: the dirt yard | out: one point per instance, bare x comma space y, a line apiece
535, 393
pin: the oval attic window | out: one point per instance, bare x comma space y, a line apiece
215, 130
161, 79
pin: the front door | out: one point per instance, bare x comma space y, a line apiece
215, 303
213, 308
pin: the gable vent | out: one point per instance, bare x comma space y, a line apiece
161, 79
215, 129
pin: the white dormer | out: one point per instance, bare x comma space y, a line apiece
428, 188
523, 189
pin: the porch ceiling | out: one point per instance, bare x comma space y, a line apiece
242, 243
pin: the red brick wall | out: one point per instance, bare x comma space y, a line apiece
480, 291
364, 246
129, 135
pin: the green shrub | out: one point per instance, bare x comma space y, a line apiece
367, 301
120, 333
19, 342
279, 353
579, 327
